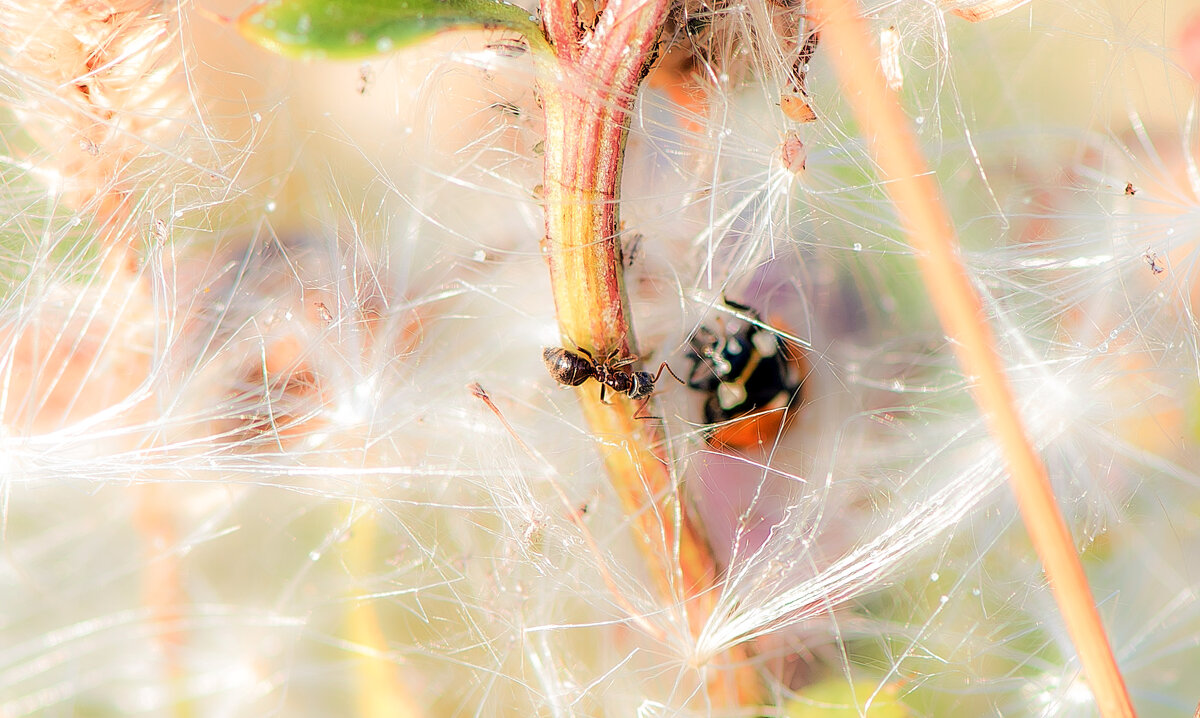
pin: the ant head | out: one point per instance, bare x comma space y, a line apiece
641, 384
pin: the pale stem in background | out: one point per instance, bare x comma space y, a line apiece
918, 203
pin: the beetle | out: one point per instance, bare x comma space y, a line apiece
571, 369
751, 378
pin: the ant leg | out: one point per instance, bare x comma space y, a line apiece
735, 305
670, 371
619, 364
641, 408
603, 388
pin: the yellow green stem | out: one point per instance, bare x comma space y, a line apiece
379, 692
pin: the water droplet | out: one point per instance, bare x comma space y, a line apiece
919, 120
1103, 348
383, 44
934, 576
858, 246
943, 599
257, 117
271, 206
314, 555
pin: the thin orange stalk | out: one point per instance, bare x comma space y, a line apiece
919, 206
162, 592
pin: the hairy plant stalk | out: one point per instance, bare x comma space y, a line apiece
587, 96
104, 88
931, 232
100, 86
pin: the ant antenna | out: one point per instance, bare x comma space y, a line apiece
642, 406
670, 371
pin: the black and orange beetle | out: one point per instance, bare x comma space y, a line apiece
751, 378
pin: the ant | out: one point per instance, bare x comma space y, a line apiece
571, 369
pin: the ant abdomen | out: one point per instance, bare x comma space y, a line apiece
567, 368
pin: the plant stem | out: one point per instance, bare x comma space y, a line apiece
587, 101
587, 94
931, 232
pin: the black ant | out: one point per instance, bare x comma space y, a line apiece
571, 369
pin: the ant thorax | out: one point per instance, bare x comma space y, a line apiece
614, 378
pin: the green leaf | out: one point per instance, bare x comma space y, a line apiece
346, 29
835, 698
